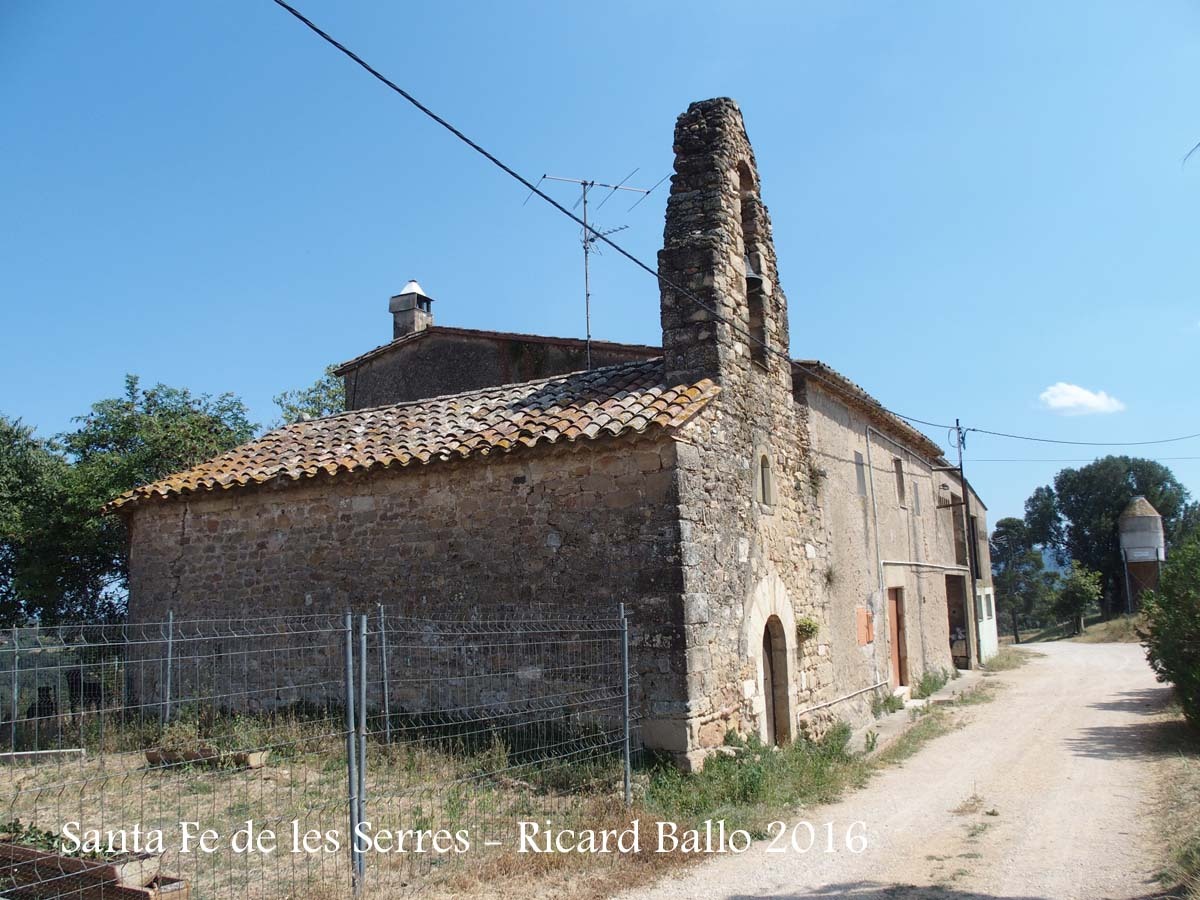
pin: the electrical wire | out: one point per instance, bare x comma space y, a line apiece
1040, 440
599, 236
1086, 459
534, 189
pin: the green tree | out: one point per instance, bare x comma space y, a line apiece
1172, 625
1078, 516
1023, 586
325, 397
1081, 591
1043, 521
63, 560
33, 487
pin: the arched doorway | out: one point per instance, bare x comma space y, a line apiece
776, 712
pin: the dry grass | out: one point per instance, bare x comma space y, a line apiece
969, 806
1122, 629
418, 786
119, 791
1178, 801
1010, 658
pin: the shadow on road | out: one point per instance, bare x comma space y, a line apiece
1149, 739
871, 890
1146, 702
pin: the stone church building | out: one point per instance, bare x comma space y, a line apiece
786, 547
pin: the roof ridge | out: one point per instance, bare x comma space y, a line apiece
482, 332
625, 398
473, 392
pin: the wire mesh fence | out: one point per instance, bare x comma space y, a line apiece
304, 757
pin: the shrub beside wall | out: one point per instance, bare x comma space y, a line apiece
1172, 629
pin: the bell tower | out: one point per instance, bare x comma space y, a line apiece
717, 247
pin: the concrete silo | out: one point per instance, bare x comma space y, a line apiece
1143, 549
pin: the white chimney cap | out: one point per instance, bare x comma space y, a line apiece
412, 288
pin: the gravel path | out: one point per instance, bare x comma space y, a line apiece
1043, 794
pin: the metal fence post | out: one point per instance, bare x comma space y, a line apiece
362, 735
625, 692
383, 662
351, 755
16, 643
170, 658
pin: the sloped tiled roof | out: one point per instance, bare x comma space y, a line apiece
630, 397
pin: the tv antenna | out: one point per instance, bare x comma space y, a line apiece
591, 234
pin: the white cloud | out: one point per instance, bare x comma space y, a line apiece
1073, 400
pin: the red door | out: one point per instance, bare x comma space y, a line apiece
896, 650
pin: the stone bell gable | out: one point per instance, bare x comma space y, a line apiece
742, 470
717, 247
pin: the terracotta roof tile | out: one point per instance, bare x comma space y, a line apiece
614, 400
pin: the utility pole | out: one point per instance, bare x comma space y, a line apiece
971, 538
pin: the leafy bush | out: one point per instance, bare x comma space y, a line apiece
1172, 630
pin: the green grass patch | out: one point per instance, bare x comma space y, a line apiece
886, 703
984, 692
931, 723
750, 787
931, 682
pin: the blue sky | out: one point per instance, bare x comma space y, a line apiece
972, 202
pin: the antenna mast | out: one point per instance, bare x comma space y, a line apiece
591, 235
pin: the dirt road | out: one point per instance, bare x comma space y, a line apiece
1042, 795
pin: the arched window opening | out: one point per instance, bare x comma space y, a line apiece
766, 489
754, 281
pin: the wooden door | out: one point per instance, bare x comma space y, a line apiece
896, 649
769, 685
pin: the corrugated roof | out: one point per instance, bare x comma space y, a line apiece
614, 400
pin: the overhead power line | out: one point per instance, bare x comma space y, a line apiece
1041, 440
534, 189
1076, 460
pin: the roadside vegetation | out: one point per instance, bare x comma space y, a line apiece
750, 784
747, 784
1009, 658
1172, 629
1179, 799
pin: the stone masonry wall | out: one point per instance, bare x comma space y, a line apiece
563, 531
910, 530
450, 362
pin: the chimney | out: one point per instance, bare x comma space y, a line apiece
411, 310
